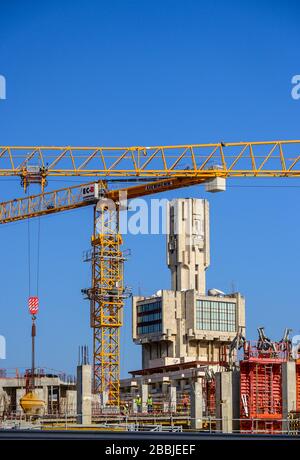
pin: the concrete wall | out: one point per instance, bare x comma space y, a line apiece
227, 401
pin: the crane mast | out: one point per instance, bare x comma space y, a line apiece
107, 297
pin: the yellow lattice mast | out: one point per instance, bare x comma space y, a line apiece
107, 301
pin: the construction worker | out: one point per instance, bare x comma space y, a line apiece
150, 404
138, 402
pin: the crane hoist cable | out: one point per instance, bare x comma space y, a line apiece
29, 255
38, 257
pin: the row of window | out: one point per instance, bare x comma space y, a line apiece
150, 317
149, 329
149, 307
211, 315
215, 316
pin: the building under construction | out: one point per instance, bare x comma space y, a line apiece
197, 371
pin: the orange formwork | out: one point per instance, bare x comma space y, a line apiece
261, 396
298, 384
261, 389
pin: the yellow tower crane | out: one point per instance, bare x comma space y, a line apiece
107, 293
161, 168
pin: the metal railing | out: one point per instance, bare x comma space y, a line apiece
156, 422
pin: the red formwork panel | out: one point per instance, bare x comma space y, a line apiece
261, 395
298, 384
211, 397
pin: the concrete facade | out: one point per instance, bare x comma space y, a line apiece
188, 243
180, 336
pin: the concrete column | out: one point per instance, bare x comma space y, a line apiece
227, 401
196, 405
165, 393
289, 393
144, 397
45, 398
84, 394
173, 398
133, 391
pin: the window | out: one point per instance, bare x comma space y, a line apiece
215, 315
149, 317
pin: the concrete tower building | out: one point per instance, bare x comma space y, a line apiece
186, 324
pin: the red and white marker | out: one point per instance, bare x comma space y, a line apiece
33, 305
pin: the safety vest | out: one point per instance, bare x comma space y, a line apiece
149, 401
138, 401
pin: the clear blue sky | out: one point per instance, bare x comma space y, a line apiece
149, 72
